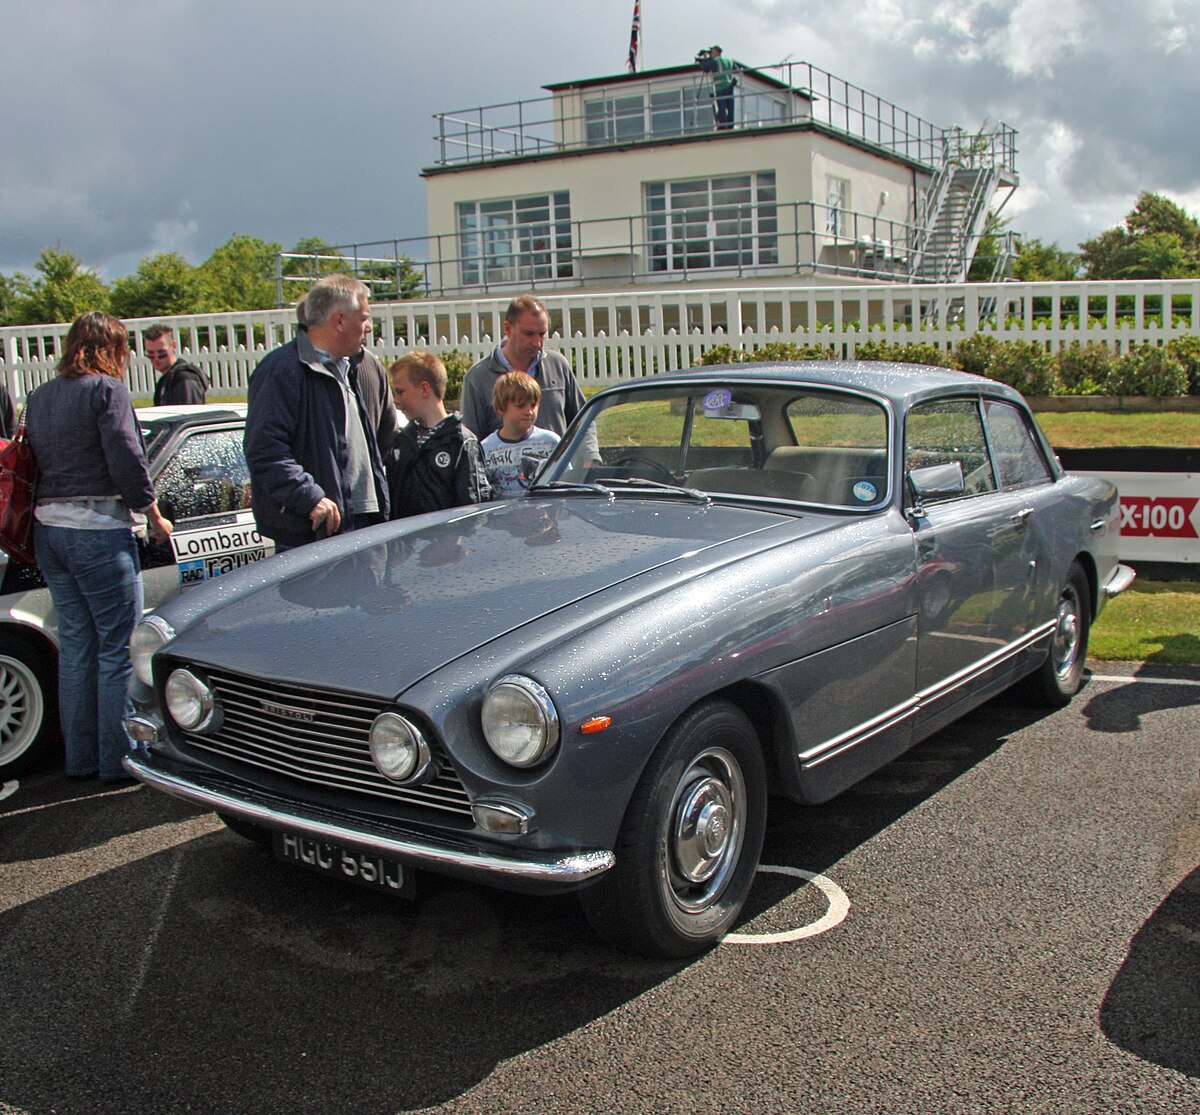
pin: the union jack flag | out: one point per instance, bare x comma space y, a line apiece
634, 34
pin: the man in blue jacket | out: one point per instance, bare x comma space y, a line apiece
314, 424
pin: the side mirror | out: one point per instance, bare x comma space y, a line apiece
936, 482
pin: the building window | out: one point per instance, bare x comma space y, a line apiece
712, 222
837, 206
513, 240
669, 112
615, 119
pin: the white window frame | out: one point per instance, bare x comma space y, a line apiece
837, 205
729, 222
515, 239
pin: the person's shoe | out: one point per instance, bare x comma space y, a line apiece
7, 789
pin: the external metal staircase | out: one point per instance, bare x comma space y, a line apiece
954, 213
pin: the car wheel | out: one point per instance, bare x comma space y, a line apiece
247, 829
689, 845
28, 720
1060, 676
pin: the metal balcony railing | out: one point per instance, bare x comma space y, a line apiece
674, 103
730, 242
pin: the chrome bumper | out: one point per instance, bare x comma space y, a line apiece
1122, 577
518, 872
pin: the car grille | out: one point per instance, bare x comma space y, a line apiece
314, 736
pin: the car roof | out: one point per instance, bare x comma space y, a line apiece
901, 384
198, 410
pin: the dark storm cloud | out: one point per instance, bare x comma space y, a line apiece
137, 126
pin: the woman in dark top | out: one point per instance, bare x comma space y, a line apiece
94, 489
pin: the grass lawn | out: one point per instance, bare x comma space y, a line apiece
1153, 621
1100, 430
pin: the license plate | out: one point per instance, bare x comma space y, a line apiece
326, 858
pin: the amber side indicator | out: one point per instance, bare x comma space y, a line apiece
596, 724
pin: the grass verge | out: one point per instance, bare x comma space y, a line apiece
1153, 621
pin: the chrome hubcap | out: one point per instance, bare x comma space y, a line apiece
707, 827
702, 830
1066, 635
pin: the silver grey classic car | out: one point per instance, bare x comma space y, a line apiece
723, 583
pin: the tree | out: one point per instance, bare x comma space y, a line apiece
163, 284
1044, 263
62, 290
1159, 240
240, 275
988, 252
389, 280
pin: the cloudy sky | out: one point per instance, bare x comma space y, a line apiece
138, 126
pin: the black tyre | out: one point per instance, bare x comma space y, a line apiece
247, 829
28, 717
691, 838
1060, 676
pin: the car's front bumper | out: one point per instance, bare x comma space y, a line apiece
515, 869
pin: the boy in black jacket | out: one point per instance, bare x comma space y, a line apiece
435, 462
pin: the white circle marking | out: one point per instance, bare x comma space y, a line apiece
839, 907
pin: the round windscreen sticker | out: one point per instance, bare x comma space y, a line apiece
864, 491
718, 399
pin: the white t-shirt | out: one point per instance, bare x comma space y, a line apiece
502, 459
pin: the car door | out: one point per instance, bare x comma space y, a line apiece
203, 487
975, 563
1025, 475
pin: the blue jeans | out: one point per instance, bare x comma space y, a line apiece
95, 581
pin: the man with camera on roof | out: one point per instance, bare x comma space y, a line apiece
712, 61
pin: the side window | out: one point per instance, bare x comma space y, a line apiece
946, 431
207, 475
1019, 458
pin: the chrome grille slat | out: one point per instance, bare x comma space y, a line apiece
285, 732
330, 750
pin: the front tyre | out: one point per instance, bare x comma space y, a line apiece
691, 838
1061, 675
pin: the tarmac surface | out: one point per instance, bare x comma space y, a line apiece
1006, 919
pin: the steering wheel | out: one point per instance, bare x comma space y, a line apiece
658, 471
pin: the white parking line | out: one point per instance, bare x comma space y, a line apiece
1121, 679
839, 907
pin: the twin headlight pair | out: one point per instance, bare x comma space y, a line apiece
519, 720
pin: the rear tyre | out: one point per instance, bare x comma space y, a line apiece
1061, 675
256, 834
691, 838
28, 717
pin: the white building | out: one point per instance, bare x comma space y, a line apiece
625, 181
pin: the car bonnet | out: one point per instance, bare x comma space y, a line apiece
379, 618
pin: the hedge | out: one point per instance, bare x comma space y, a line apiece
1162, 371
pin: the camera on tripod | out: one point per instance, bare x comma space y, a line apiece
703, 55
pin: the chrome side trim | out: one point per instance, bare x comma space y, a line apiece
429, 853
831, 748
969, 673
1122, 577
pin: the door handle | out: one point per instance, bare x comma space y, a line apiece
1021, 518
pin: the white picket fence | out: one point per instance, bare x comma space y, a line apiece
620, 335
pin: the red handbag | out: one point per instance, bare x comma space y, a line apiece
18, 497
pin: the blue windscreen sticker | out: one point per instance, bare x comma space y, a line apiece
718, 399
864, 491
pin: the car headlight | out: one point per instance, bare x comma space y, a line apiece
520, 722
191, 702
148, 636
399, 750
